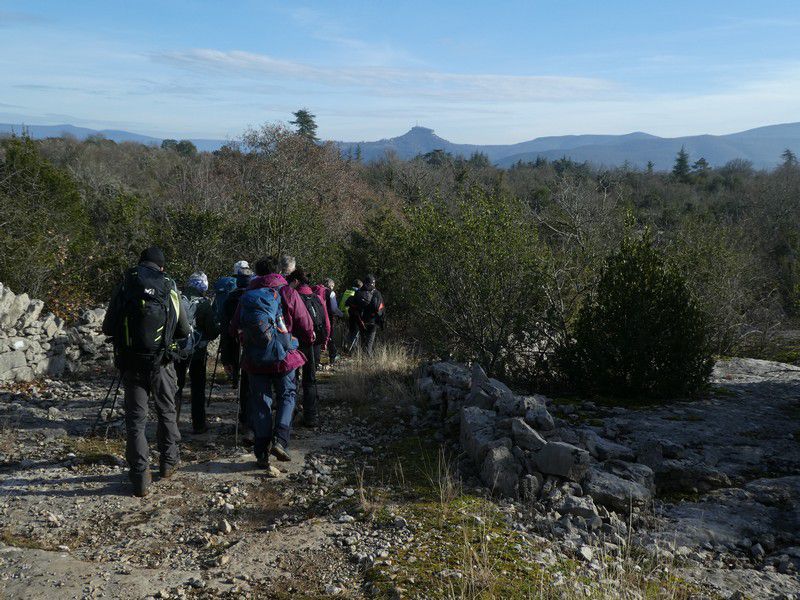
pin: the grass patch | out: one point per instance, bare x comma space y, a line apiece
96, 451
369, 383
9, 538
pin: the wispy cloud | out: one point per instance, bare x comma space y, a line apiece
388, 81
11, 18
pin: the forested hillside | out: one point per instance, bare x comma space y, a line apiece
474, 260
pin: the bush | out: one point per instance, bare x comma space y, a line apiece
642, 335
465, 279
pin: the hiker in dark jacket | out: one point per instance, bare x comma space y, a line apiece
312, 351
205, 329
273, 388
366, 312
230, 349
326, 291
351, 336
145, 319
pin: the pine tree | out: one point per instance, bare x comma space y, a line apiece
306, 126
681, 168
789, 158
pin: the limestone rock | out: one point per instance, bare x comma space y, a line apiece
615, 492
582, 506
526, 437
636, 472
564, 460
500, 471
537, 415
477, 432
603, 449
451, 373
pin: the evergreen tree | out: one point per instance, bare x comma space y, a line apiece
305, 123
789, 158
650, 166
681, 168
700, 165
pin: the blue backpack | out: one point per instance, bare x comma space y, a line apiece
266, 340
222, 289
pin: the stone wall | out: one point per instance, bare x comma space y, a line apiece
516, 448
35, 344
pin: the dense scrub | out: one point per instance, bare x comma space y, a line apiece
640, 333
475, 261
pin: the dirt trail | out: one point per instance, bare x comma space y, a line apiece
218, 528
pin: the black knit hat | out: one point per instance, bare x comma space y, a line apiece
153, 254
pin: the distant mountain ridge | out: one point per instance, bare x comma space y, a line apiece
762, 146
39, 132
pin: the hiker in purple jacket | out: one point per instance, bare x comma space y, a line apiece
274, 387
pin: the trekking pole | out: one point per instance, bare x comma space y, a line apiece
178, 406
105, 401
113, 406
213, 375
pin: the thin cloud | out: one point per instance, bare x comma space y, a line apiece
388, 81
10, 18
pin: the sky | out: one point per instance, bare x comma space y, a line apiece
475, 72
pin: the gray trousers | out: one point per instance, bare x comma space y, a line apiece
160, 382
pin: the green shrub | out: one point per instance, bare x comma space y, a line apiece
464, 279
642, 335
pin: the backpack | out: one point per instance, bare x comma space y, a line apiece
265, 338
222, 289
195, 340
147, 321
316, 311
362, 302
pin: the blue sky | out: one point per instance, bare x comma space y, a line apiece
478, 72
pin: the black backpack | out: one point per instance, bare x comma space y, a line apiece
147, 321
316, 310
362, 300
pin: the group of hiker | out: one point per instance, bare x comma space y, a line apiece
273, 324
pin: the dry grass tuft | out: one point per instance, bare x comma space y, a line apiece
386, 377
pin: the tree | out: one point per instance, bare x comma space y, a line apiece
305, 124
44, 225
169, 144
700, 165
681, 168
642, 335
650, 166
789, 158
186, 148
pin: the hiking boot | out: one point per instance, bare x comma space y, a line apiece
166, 471
279, 452
248, 438
310, 421
200, 430
263, 464
141, 483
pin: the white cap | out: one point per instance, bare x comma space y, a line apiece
239, 265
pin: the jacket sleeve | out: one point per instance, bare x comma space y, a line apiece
335, 306
320, 293
111, 320
296, 316
183, 328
